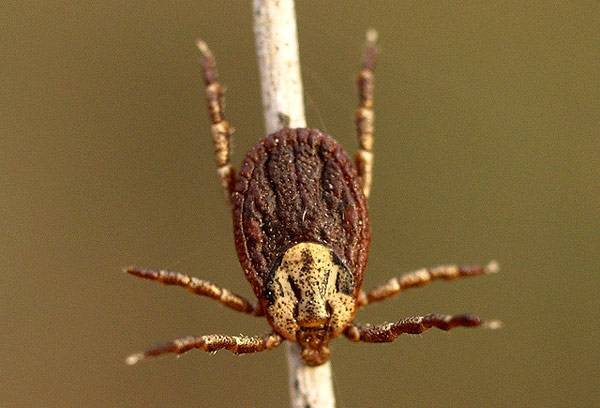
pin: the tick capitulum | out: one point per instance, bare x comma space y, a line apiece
302, 236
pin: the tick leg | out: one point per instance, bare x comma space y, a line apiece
364, 114
423, 277
414, 325
221, 131
199, 287
211, 343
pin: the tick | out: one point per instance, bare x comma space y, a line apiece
302, 235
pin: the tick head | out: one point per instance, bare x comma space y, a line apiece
310, 294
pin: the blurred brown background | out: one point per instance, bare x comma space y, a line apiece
487, 148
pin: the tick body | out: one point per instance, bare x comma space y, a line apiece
302, 235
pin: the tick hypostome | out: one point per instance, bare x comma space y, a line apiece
302, 236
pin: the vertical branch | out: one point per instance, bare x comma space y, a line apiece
279, 63
277, 51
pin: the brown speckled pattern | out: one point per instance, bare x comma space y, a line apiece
298, 185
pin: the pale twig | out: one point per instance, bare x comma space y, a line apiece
282, 96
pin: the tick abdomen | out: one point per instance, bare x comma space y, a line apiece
298, 185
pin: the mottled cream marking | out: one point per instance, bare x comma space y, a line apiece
305, 292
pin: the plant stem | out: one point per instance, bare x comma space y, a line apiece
277, 52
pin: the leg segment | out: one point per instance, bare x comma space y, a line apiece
364, 114
221, 131
423, 277
199, 287
413, 325
211, 343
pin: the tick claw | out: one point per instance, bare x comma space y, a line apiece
203, 48
134, 358
372, 36
492, 324
492, 267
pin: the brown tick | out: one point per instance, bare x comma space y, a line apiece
302, 235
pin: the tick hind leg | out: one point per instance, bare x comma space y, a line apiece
211, 343
221, 131
423, 277
364, 114
199, 287
388, 332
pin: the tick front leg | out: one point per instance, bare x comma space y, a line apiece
199, 287
211, 343
221, 131
423, 277
388, 332
364, 114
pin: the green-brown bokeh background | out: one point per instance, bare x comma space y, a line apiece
487, 147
